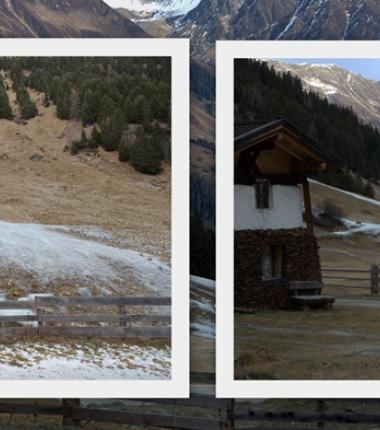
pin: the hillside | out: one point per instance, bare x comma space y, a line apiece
115, 219
76, 225
339, 86
71, 18
356, 246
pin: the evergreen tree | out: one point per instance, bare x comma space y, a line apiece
124, 152
112, 129
202, 248
106, 108
143, 156
5, 108
63, 106
96, 137
147, 114
89, 108
28, 108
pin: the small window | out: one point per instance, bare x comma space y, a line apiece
272, 262
262, 193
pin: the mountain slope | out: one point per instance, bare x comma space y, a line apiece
339, 86
71, 18
156, 9
276, 19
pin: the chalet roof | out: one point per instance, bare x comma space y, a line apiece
248, 135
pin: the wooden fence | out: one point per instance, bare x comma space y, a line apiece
367, 280
75, 317
200, 412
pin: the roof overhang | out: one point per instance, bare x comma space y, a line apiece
307, 154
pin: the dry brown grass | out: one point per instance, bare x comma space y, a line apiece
79, 190
340, 344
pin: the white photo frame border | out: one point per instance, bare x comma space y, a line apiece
178, 386
226, 53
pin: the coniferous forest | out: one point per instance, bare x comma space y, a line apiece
261, 93
126, 101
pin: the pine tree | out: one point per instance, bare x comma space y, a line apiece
124, 152
89, 108
27, 106
112, 129
147, 114
63, 106
143, 156
5, 108
106, 108
96, 137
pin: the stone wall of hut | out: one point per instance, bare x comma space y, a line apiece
300, 262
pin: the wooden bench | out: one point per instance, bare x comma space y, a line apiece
307, 295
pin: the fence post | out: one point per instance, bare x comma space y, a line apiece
230, 415
67, 419
321, 407
122, 314
39, 322
375, 279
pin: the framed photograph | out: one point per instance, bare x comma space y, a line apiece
298, 146
94, 248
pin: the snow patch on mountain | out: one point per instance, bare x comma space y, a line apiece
155, 9
317, 83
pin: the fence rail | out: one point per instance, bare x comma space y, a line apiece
81, 317
339, 277
196, 414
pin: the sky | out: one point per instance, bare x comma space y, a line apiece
369, 68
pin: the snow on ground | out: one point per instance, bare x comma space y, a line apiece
355, 227
42, 360
204, 329
202, 307
49, 253
203, 282
156, 9
22, 312
348, 193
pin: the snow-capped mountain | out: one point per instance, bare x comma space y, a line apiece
155, 9
69, 18
339, 86
278, 19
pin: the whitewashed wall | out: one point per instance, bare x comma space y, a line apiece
285, 208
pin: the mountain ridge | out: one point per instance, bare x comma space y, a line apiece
277, 20
71, 18
340, 86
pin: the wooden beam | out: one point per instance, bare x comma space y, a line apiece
284, 179
308, 209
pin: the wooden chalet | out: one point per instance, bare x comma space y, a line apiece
276, 253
